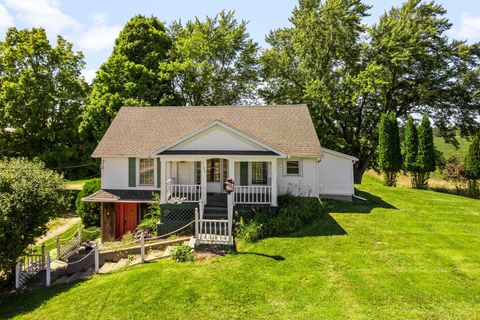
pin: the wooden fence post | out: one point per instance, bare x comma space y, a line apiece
47, 271
79, 230
97, 262
43, 254
17, 273
58, 247
142, 247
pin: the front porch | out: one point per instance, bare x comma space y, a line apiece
201, 180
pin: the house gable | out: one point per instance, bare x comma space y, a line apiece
218, 136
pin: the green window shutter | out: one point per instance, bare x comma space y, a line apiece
243, 173
158, 173
132, 178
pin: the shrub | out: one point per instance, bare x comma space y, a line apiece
389, 154
182, 253
454, 171
293, 214
152, 217
249, 231
30, 195
89, 211
472, 166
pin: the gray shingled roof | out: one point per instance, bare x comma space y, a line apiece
110, 195
140, 131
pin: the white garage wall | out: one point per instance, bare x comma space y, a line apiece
304, 184
335, 175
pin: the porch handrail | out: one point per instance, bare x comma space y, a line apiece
187, 192
253, 194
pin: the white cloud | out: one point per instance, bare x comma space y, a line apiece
469, 27
42, 13
6, 19
100, 36
89, 74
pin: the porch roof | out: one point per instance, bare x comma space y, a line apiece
140, 131
219, 152
112, 195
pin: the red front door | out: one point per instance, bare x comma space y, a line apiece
125, 218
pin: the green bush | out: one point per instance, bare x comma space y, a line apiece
293, 214
182, 253
89, 211
153, 215
249, 231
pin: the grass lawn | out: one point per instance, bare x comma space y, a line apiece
449, 150
405, 254
65, 237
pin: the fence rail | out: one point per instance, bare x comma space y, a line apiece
186, 192
253, 194
211, 231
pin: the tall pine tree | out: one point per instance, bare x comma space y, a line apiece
389, 154
411, 150
425, 154
472, 166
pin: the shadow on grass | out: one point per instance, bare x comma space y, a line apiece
357, 205
276, 258
461, 192
19, 303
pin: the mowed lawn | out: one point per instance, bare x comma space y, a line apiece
405, 254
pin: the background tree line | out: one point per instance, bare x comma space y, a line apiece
347, 72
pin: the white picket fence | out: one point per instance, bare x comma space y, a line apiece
211, 231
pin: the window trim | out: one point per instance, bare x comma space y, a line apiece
300, 168
139, 160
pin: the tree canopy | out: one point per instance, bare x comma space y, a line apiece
130, 77
213, 62
30, 196
406, 65
41, 94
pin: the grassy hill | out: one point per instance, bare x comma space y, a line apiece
449, 150
404, 254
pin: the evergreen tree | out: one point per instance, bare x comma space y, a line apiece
411, 150
389, 154
425, 154
130, 77
472, 166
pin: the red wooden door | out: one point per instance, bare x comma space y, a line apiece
130, 211
119, 220
125, 218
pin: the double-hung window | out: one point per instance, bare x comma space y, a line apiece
147, 169
292, 167
260, 173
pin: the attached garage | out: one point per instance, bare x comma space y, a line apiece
335, 175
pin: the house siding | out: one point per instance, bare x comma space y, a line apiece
335, 175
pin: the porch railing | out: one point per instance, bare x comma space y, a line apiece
253, 194
211, 231
186, 192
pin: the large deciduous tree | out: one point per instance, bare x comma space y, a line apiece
130, 77
213, 62
407, 65
30, 196
41, 93
389, 153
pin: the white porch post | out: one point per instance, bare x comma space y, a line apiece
274, 182
203, 179
231, 174
163, 180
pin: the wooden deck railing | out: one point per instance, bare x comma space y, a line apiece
253, 194
186, 192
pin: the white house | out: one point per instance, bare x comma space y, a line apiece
185, 154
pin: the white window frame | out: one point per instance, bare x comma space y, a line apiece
154, 173
300, 168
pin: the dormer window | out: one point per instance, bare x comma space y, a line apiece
147, 168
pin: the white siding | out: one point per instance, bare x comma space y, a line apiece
304, 184
115, 174
217, 138
335, 175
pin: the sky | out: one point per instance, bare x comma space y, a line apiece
93, 25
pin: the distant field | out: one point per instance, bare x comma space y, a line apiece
449, 150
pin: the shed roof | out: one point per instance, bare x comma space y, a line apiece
140, 131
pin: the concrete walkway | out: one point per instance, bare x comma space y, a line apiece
68, 223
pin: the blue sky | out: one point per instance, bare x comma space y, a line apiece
92, 25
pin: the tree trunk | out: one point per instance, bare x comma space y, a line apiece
358, 170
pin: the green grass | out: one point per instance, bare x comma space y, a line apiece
404, 254
65, 237
449, 150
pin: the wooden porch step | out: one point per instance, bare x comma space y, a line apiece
211, 212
